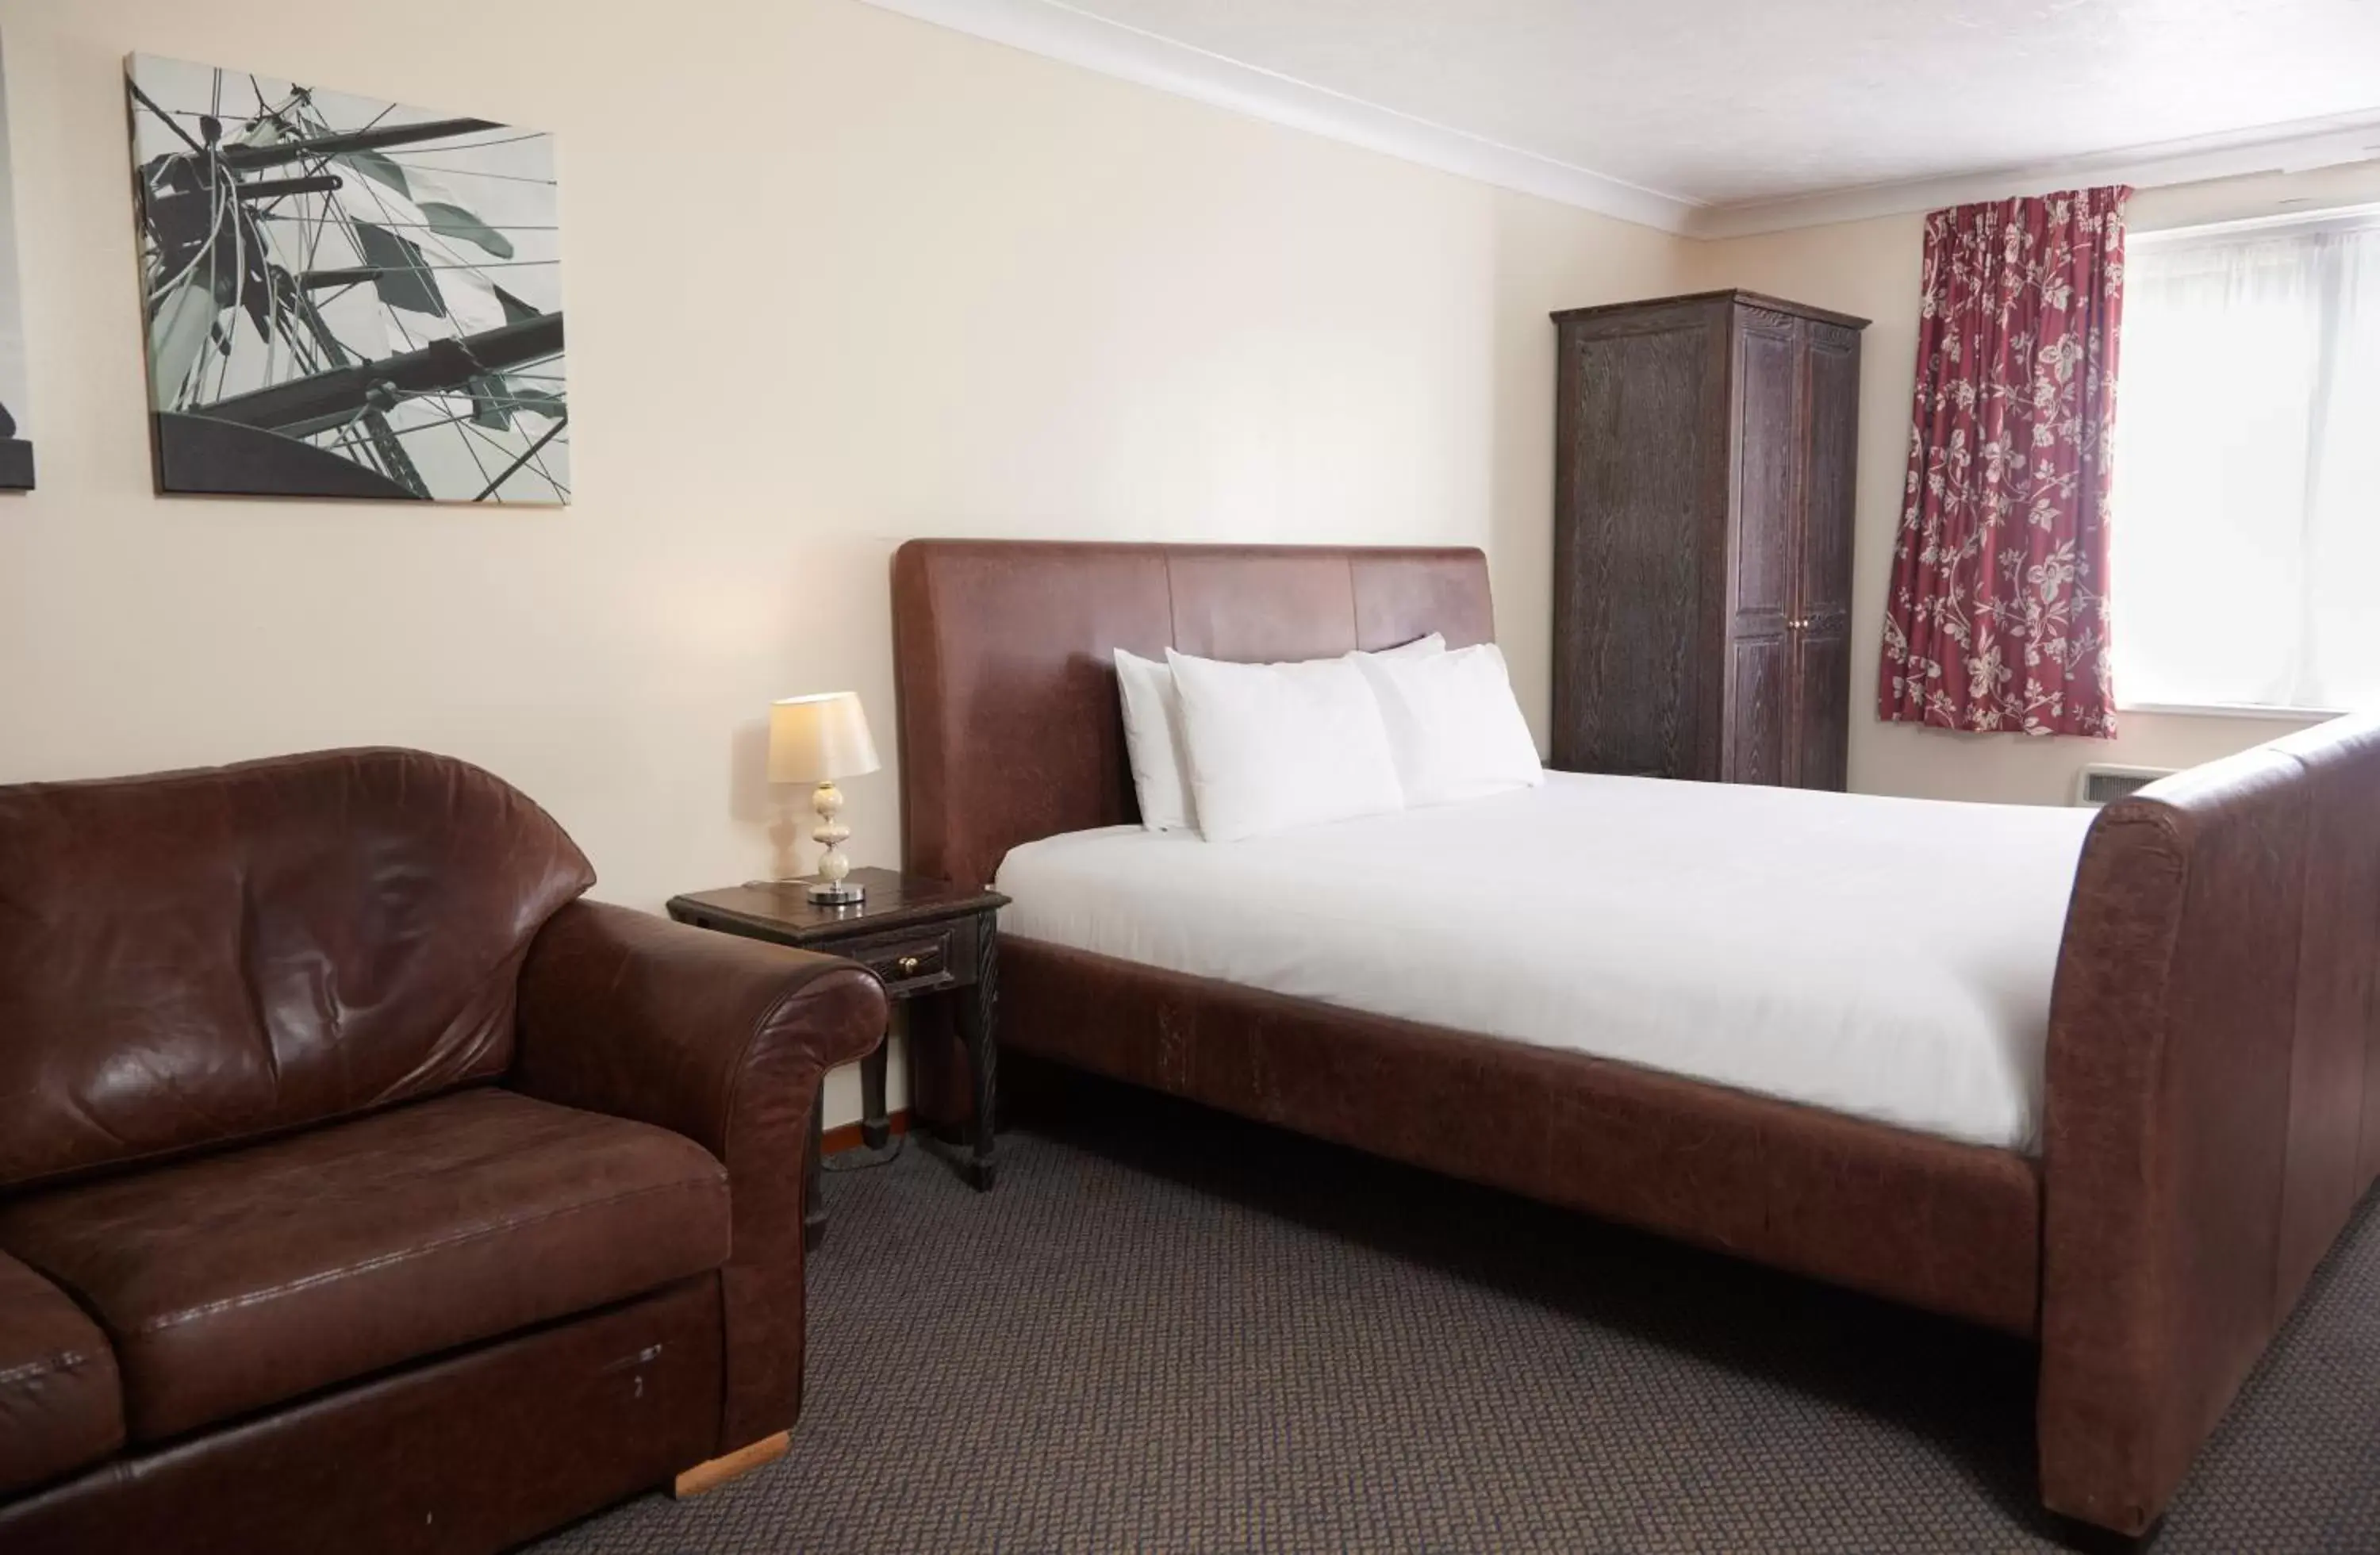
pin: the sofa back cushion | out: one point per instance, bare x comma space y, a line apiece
196, 958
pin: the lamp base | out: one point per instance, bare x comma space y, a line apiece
837, 893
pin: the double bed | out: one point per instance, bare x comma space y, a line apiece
1755, 938
2100, 1082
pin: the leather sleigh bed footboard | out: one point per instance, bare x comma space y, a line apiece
2212, 1103
2213, 1074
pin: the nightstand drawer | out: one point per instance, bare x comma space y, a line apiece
908, 963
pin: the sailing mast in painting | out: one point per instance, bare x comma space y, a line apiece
346, 297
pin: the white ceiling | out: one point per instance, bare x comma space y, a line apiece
1740, 115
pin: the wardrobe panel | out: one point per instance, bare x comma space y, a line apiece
1833, 443
1821, 696
1759, 692
1769, 469
1629, 568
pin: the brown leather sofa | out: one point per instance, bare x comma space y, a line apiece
362, 1188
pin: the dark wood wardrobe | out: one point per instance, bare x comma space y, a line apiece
1705, 454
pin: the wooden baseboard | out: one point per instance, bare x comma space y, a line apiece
743, 1461
846, 1137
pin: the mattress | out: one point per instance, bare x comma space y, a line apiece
1887, 958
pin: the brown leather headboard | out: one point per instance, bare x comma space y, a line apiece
1003, 654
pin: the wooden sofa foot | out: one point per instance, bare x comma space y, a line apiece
730, 1465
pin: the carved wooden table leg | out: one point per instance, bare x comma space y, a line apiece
875, 1123
979, 1013
813, 1206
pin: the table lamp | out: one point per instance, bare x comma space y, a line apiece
817, 739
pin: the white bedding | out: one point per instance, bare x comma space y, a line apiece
1888, 958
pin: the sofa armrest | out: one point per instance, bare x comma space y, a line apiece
725, 1041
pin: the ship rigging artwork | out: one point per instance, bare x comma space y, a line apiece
346, 297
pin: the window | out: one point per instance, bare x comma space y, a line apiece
2246, 542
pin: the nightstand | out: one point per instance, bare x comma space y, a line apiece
936, 948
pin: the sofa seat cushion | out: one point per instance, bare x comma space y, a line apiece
240, 1279
60, 1405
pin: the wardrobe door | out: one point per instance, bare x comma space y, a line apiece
1635, 518
1767, 410
1820, 716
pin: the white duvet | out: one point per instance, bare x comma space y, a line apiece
1887, 958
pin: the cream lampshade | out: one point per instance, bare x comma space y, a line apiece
817, 739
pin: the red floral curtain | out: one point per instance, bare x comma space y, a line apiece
1997, 615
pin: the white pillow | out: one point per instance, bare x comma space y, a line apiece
1152, 742
1275, 747
1153, 733
1454, 729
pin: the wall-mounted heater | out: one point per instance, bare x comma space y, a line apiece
2101, 783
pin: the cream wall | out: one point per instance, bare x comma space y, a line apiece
835, 278
1871, 269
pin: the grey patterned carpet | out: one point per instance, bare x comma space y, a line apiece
1169, 1330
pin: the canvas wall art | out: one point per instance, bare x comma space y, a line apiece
345, 296
15, 448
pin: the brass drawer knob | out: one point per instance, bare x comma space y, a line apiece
907, 965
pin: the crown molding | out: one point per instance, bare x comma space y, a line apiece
1056, 30
2294, 148
1060, 32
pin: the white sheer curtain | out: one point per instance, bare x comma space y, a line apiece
2246, 566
